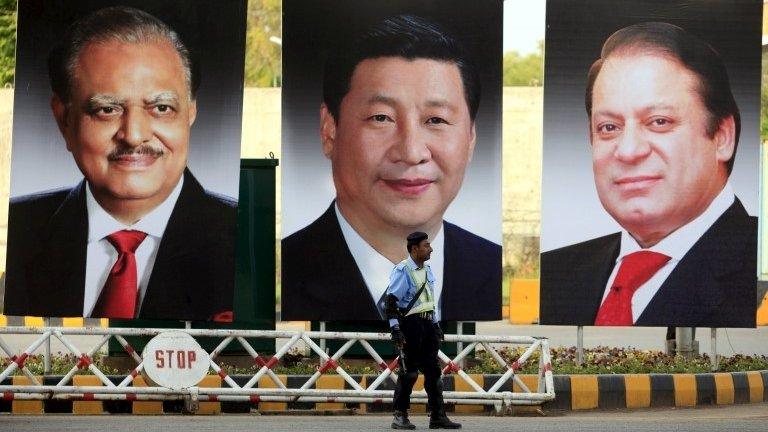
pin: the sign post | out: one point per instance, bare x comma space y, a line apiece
580, 345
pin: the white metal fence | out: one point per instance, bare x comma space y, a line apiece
249, 391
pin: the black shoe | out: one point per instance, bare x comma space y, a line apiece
400, 421
441, 421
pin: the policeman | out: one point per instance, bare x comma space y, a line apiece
412, 312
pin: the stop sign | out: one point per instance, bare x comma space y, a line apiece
175, 360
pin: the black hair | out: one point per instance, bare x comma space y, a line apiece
693, 53
405, 36
415, 238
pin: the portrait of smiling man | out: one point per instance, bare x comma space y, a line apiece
397, 123
135, 237
664, 129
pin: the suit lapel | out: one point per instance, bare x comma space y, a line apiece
455, 277
353, 292
167, 293
700, 281
471, 277
462, 271
573, 280
590, 280
59, 267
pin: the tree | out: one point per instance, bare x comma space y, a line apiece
7, 42
263, 62
524, 70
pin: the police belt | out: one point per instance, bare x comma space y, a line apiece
428, 315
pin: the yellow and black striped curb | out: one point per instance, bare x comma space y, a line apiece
573, 392
579, 392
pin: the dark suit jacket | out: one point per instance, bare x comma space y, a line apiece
193, 274
714, 285
321, 281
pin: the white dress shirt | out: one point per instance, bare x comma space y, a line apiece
675, 246
101, 255
376, 268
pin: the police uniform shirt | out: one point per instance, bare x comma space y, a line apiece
376, 268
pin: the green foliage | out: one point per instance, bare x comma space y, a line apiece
524, 71
741, 362
600, 360
605, 360
263, 66
61, 364
7, 42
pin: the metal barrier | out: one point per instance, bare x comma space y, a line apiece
123, 391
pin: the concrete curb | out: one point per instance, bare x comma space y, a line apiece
579, 392
574, 392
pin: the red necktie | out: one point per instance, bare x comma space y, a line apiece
635, 270
118, 298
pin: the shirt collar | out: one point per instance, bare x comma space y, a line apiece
680, 241
374, 266
102, 224
412, 263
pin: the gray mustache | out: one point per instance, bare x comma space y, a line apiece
141, 150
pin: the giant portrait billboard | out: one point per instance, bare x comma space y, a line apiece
126, 145
391, 124
651, 153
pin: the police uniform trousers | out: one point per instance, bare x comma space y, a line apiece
421, 346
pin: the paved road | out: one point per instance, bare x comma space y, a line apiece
745, 418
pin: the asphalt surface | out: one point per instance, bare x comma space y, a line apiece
747, 418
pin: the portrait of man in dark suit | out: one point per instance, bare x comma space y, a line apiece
139, 236
664, 129
397, 123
